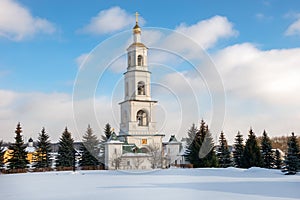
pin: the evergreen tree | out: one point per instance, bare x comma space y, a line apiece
292, 161
267, 152
200, 147
207, 154
251, 155
1, 154
107, 132
42, 155
66, 150
238, 150
90, 149
104, 138
192, 147
278, 160
18, 157
223, 152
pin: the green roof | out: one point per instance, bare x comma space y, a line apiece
131, 148
173, 139
113, 137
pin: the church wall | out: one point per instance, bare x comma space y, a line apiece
145, 141
138, 162
172, 151
113, 153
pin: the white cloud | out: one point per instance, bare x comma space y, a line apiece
151, 37
82, 59
269, 75
294, 28
17, 23
208, 32
110, 20
119, 65
261, 88
54, 111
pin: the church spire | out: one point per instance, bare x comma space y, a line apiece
136, 17
136, 30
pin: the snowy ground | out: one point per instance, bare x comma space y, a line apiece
258, 184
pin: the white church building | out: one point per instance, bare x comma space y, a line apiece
139, 145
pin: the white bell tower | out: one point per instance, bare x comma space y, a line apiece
138, 124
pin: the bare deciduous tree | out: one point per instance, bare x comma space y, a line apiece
116, 161
156, 156
138, 161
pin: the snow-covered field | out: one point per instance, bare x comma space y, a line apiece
254, 183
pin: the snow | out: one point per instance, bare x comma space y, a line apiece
136, 155
231, 183
114, 142
30, 149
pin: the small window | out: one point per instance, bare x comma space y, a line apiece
141, 88
144, 141
128, 163
140, 60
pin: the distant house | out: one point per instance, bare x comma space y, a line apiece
173, 152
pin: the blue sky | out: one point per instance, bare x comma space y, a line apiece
43, 42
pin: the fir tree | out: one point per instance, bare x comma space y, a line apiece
90, 149
207, 153
267, 152
66, 150
42, 155
278, 160
18, 157
223, 152
192, 147
1, 154
200, 147
238, 150
104, 138
107, 132
292, 161
251, 155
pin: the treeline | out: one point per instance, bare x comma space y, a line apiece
92, 151
202, 152
279, 142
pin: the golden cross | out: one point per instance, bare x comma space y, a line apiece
136, 17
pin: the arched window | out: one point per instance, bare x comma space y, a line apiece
141, 88
142, 118
140, 60
144, 150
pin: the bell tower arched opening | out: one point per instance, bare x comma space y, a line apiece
140, 60
142, 118
141, 88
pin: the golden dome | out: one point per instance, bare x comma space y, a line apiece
136, 28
